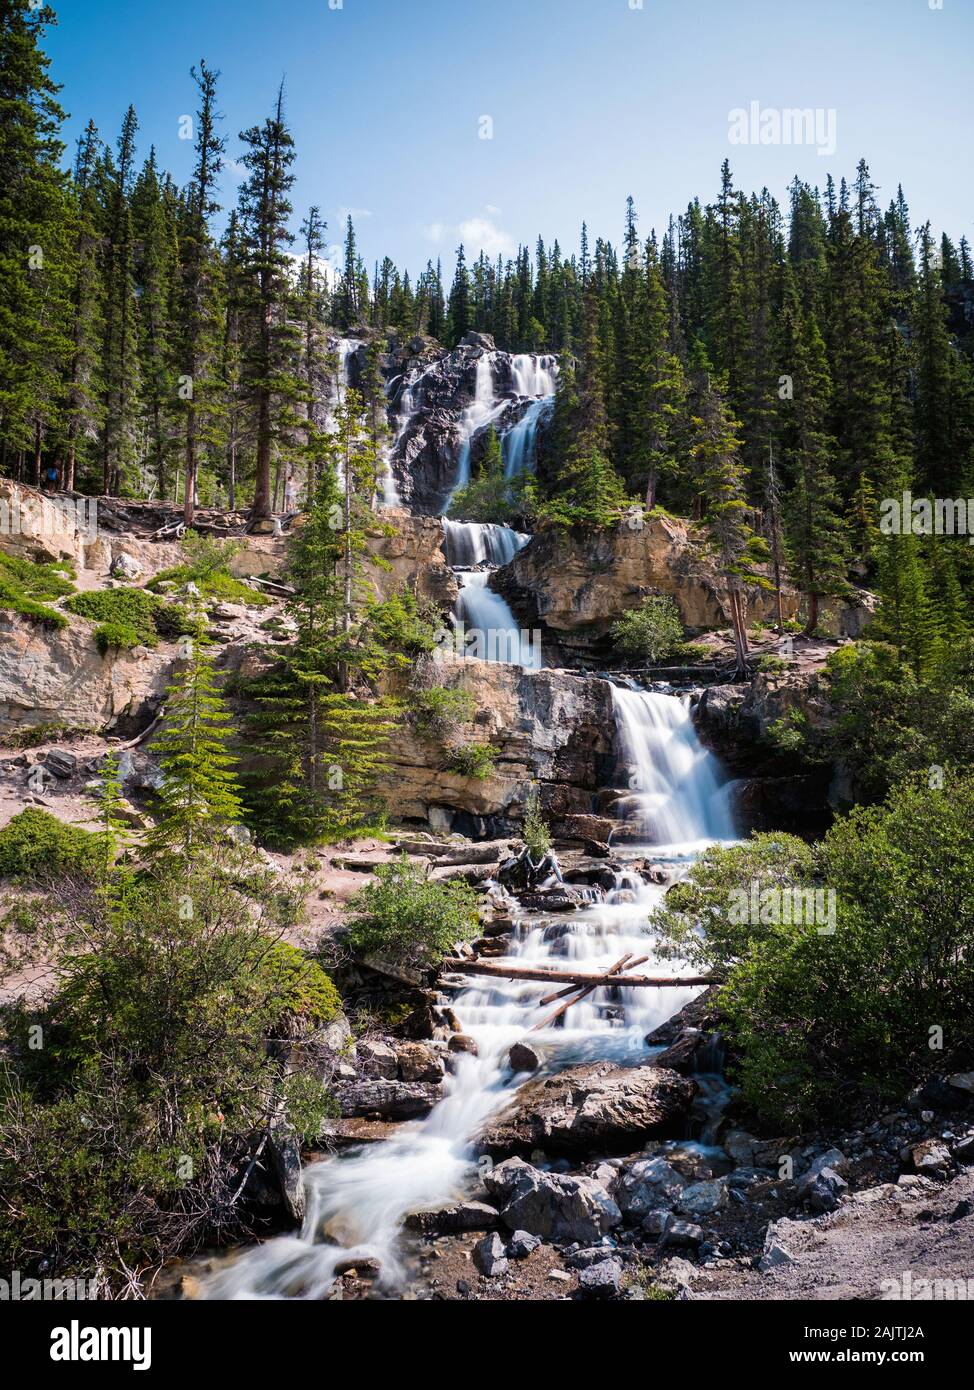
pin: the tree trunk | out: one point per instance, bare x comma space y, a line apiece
812, 622
189, 497
740, 631
575, 977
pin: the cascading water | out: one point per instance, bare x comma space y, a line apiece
490, 630
535, 377
471, 543
482, 410
356, 1203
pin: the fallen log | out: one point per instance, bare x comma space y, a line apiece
575, 977
626, 962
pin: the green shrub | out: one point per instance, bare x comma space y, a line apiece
836, 1008
652, 631
441, 711
474, 760
133, 618
402, 625
25, 583
36, 846
535, 831
206, 566
403, 917
770, 665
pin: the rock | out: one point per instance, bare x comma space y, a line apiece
419, 1062
523, 1058
478, 340
239, 834
682, 1233
285, 1155
602, 1280
677, 1273
389, 1100
126, 566
562, 1276
831, 1158
490, 1256
130, 815
554, 1206
740, 1146
462, 1042
360, 1266
702, 1198
588, 1255
930, 1156
963, 1150
60, 762
682, 1055
656, 1220
521, 1245
378, 1059
826, 1191
646, 1185
350, 1133
775, 1255
594, 1106
454, 1219
961, 1080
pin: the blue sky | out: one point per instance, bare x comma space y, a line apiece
590, 100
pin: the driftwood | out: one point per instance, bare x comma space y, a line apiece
573, 977
626, 962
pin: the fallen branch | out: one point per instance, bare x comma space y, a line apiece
626, 962
560, 977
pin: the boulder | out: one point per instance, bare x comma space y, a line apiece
930, 1156
419, 1062
522, 1244
389, 1100
62, 763
454, 1219
379, 1060
523, 1058
285, 1156
555, 1206
601, 1280
702, 1199
647, 1185
826, 1191
490, 1256
126, 566
593, 1107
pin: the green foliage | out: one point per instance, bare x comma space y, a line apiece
474, 760
207, 566
489, 496
36, 847
24, 584
535, 832
652, 631
402, 626
821, 1019
401, 916
440, 711
198, 797
131, 617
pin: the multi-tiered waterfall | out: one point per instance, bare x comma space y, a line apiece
357, 1203
489, 629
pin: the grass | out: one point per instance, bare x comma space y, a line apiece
129, 618
25, 584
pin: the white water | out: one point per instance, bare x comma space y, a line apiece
534, 375
482, 410
490, 628
356, 1203
518, 445
471, 543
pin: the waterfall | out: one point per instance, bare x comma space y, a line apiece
489, 627
484, 408
356, 1203
472, 543
534, 375
518, 444
676, 797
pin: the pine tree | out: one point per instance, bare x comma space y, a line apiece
83, 380
153, 225
269, 381
199, 793
906, 617
121, 357
458, 307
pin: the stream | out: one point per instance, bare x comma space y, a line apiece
357, 1201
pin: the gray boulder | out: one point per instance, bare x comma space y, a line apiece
601, 1280
522, 1243
389, 1100
490, 1256
454, 1219
827, 1191
555, 1206
648, 1184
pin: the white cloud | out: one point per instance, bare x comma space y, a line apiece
483, 234
434, 231
494, 212
354, 213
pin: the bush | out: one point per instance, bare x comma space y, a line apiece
403, 917
24, 583
440, 712
822, 1018
472, 760
206, 566
652, 631
536, 835
126, 1140
35, 846
132, 618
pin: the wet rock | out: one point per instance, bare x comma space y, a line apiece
602, 1280
523, 1058
454, 1219
521, 1245
418, 1062
389, 1100
285, 1156
646, 1185
554, 1206
350, 1133
596, 1106
361, 1267
490, 1256
564, 898
462, 1042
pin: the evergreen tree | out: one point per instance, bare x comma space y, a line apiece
120, 353
458, 307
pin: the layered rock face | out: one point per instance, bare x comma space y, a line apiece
549, 727
577, 584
